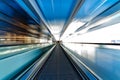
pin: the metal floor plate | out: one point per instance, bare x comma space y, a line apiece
58, 67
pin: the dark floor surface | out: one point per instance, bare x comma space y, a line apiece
58, 67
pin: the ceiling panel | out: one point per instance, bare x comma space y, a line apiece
90, 14
114, 8
53, 17
92, 8
56, 13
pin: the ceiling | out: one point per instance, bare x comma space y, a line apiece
57, 18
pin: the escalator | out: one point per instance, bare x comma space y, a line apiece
58, 67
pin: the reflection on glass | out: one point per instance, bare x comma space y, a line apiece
104, 60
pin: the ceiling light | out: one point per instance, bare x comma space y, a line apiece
72, 27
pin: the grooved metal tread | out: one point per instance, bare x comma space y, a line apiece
58, 67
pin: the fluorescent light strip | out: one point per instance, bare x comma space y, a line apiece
72, 27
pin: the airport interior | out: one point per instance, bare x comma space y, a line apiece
59, 39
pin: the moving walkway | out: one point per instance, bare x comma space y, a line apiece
58, 67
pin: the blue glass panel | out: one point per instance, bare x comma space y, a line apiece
6, 9
56, 9
5, 26
3, 17
27, 2
110, 11
16, 7
13, 11
27, 9
90, 9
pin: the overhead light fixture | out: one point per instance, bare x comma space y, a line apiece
57, 36
72, 27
